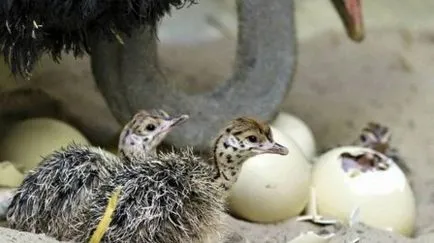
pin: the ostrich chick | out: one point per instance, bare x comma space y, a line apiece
52, 193
378, 137
176, 197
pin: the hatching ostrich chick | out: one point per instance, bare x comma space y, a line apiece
176, 197
378, 137
51, 193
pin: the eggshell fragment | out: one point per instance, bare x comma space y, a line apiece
311, 212
383, 196
272, 187
29, 140
298, 131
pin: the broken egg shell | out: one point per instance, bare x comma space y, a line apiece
271, 187
298, 131
384, 197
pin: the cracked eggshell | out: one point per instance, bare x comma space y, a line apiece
271, 187
29, 140
384, 198
298, 131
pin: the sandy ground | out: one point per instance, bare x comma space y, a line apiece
12, 236
338, 87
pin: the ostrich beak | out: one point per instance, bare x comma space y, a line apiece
350, 12
174, 122
179, 120
273, 148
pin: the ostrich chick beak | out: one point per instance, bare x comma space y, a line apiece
276, 148
176, 121
350, 12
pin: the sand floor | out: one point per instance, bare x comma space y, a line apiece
338, 87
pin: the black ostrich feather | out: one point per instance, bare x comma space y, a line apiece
31, 28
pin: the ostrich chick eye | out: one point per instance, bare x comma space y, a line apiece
150, 127
252, 139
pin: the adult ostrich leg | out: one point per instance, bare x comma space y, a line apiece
128, 74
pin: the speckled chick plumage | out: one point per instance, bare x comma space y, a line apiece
171, 199
52, 193
177, 196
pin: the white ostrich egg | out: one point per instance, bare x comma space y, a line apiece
9, 175
27, 141
298, 130
272, 187
381, 193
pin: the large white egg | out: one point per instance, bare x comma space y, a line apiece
9, 175
272, 187
384, 197
29, 140
297, 129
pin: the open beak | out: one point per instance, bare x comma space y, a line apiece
277, 149
350, 12
176, 121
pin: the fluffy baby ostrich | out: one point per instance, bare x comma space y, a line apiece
176, 197
50, 194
